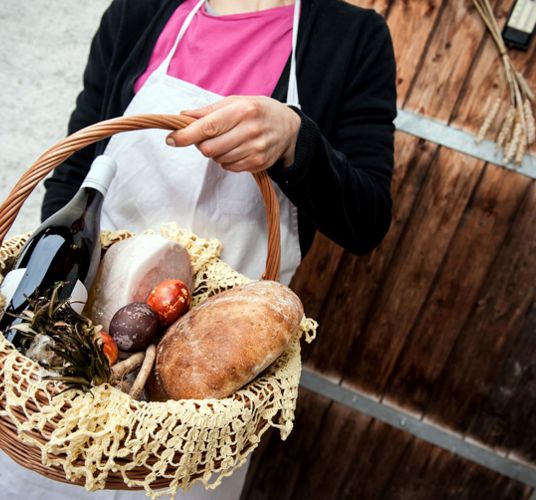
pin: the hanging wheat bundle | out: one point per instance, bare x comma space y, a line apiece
517, 130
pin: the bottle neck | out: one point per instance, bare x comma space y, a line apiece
91, 186
100, 174
87, 204
93, 197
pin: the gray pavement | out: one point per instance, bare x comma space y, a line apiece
44, 47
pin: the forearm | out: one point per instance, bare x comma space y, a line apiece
347, 200
340, 180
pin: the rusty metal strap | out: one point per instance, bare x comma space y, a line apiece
425, 430
459, 140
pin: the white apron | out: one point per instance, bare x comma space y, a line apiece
157, 183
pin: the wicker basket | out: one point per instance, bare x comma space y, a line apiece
159, 447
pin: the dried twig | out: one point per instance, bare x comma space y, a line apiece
123, 368
518, 129
145, 370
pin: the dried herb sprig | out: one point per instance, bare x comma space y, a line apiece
517, 128
76, 342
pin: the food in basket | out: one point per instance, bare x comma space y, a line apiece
134, 327
226, 341
65, 248
130, 269
170, 300
109, 347
154, 389
66, 344
136, 390
126, 366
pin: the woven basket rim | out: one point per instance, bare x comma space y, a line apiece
59, 387
234, 405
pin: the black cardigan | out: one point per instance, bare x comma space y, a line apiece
340, 181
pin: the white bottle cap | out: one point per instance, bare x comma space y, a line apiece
100, 174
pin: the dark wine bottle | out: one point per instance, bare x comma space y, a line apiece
64, 249
521, 24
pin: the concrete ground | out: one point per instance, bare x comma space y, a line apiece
44, 45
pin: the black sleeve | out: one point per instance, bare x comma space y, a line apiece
342, 187
67, 178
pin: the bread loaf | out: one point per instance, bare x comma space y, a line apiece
227, 341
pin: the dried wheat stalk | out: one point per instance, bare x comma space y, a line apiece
517, 131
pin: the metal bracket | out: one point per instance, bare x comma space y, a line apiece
459, 140
427, 431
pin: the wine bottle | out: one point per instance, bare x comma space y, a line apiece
64, 249
521, 24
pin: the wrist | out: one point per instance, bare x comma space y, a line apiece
289, 155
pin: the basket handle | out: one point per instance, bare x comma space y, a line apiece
62, 150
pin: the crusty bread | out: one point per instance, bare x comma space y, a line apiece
153, 388
227, 341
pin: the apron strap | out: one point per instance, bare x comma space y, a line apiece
164, 66
292, 92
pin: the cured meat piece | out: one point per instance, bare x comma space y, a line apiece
130, 269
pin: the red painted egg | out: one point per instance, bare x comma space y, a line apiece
109, 347
169, 300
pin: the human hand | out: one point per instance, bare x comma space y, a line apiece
242, 133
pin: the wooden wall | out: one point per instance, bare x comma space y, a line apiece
440, 320
335, 453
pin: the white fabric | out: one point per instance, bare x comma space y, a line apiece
18, 483
156, 183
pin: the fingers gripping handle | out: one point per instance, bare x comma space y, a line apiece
62, 150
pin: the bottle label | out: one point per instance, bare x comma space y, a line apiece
78, 297
523, 16
13, 278
10, 283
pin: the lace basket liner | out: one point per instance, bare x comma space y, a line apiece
104, 439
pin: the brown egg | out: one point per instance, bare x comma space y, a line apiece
134, 327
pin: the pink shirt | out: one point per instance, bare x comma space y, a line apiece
237, 54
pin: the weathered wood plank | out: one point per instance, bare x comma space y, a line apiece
341, 454
359, 278
330, 461
483, 228
418, 463
506, 417
483, 83
411, 23
448, 60
312, 281
374, 462
420, 253
275, 470
482, 347
427, 472
521, 424
524, 62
